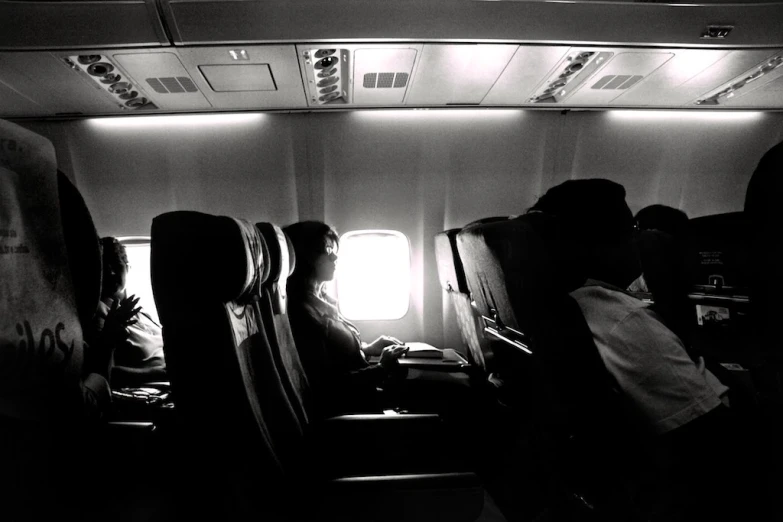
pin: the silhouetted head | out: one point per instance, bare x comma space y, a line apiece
599, 226
671, 220
115, 267
315, 246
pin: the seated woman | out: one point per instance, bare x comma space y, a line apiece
331, 349
139, 358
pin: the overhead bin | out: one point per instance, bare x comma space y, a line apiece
75, 24
204, 22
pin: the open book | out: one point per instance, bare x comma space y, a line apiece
423, 351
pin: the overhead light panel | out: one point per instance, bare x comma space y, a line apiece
577, 67
740, 85
104, 73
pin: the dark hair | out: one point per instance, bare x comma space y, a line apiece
593, 210
671, 220
114, 254
309, 240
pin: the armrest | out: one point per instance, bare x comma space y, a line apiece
456, 497
361, 444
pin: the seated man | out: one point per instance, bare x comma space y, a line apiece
139, 359
669, 396
648, 361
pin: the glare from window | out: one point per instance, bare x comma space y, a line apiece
139, 282
374, 275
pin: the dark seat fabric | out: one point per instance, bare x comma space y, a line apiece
204, 271
765, 221
519, 273
46, 432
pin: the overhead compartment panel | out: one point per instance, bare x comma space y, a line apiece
674, 82
164, 79
204, 22
526, 71
381, 76
457, 74
79, 24
54, 87
238, 78
246, 77
621, 73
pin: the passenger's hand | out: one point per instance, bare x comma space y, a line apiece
120, 317
377, 346
391, 354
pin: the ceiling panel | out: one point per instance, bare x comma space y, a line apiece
526, 70
623, 72
164, 80
671, 83
51, 84
458, 74
276, 69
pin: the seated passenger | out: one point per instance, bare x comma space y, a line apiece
664, 387
331, 349
139, 358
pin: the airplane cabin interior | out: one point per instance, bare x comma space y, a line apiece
424, 134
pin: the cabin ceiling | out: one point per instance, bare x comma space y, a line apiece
76, 58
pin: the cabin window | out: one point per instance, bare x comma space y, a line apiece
374, 275
139, 282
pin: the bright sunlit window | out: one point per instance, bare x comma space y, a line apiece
139, 282
374, 274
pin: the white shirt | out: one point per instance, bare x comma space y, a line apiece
648, 361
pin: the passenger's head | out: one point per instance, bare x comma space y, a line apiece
599, 225
115, 267
315, 247
671, 220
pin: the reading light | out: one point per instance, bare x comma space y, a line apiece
576, 68
728, 91
238, 54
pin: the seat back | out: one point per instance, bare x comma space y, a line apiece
205, 273
49, 284
520, 273
762, 210
453, 282
272, 301
718, 255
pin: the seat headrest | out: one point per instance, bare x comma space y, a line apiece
450, 270
525, 258
217, 257
83, 248
280, 261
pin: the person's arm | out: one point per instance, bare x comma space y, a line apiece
376, 347
130, 376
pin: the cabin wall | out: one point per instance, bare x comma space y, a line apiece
419, 172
